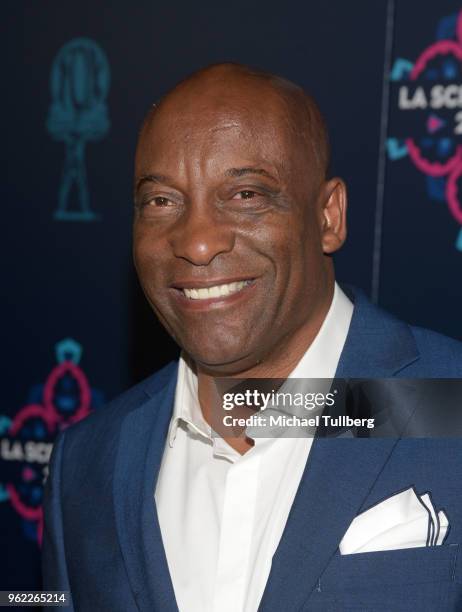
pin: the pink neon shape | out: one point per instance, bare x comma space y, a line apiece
434, 123
459, 27
85, 393
442, 47
28, 474
31, 514
51, 419
31, 411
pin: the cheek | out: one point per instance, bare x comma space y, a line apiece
300, 259
296, 245
150, 261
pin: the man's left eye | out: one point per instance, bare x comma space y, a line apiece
246, 194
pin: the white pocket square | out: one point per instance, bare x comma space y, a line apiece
405, 520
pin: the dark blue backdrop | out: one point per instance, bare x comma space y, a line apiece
68, 274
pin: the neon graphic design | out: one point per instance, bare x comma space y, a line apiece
438, 154
434, 123
79, 86
401, 69
27, 439
396, 149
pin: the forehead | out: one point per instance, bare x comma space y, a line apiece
218, 128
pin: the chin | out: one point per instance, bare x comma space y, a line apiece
219, 359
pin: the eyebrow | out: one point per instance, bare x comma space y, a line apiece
232, 172
151, 178
238, 172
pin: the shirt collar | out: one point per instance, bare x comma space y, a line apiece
187, 411
186, 407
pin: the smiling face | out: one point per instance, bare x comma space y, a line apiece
231, 233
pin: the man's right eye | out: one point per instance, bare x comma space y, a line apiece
159, 201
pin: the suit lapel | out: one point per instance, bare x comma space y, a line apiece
141, 445
340, 472
378, 345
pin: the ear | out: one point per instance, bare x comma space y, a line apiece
333, 209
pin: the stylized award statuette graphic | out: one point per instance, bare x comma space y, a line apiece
26, 439
428, 96
78, 114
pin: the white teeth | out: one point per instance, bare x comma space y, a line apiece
202, 294
205, 293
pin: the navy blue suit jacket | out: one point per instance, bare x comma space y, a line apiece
102, 539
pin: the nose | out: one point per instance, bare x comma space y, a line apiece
201, 235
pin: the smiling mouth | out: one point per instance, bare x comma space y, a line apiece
216, 291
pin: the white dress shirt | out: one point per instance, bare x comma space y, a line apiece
222, 514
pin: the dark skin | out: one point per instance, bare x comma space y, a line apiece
230, 185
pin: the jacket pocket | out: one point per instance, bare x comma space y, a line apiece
398, 580
394, 567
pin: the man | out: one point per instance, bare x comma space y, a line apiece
235, 225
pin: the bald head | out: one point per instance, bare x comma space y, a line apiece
246, 89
